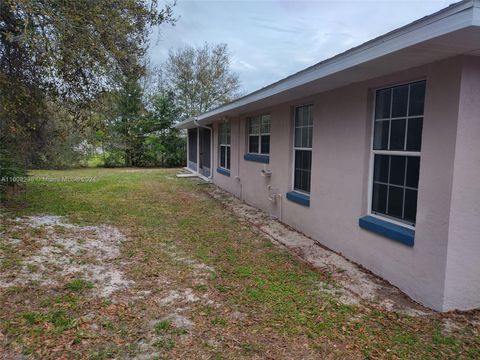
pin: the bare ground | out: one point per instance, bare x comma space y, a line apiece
54, 252
355, 282
147, 277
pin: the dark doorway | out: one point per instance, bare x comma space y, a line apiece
205, 152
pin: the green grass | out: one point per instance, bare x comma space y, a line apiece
166, 344
288, 313
32, 317
79, 285
163, 326
58, 318
218, 321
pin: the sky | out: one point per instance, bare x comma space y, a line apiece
271, 39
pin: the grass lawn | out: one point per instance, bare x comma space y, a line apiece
194, 281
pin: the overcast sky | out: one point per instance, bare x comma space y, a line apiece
271, 39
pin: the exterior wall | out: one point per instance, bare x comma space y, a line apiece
462, 285
229, 183
254, 185
342, 134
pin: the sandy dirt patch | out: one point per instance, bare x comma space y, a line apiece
356, 284
57, 249
50, 252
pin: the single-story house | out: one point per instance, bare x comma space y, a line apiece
374, 153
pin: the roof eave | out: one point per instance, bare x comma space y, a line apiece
455, 17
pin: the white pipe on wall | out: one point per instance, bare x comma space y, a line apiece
239, 151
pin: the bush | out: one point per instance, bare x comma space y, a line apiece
10, 167
114, 159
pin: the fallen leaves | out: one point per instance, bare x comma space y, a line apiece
230, 292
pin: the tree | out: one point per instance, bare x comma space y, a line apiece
125, 126
65, 53
166, 146
76, 49
200, 78
139, 129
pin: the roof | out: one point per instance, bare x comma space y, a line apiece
452, 31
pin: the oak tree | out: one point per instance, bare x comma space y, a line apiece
200, 78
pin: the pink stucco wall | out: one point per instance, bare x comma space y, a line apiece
340, 179
462, 285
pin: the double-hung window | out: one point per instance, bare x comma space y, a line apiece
302, 148
259, 135
224, 145
396, 150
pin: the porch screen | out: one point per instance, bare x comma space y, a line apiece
192, 149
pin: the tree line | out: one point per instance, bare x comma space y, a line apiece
76, 88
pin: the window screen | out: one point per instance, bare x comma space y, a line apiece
259, 134
224, 136
397, 144
302, 148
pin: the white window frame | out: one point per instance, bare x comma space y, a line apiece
259, 135
388, 152
300, 148
224, 146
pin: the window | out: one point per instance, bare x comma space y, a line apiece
259, 135
397, 142
302, 148
224, 145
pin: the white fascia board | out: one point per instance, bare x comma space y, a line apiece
476, 13
452, 18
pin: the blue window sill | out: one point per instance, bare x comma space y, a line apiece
384, 228
298, 198
265, 159
223, 171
